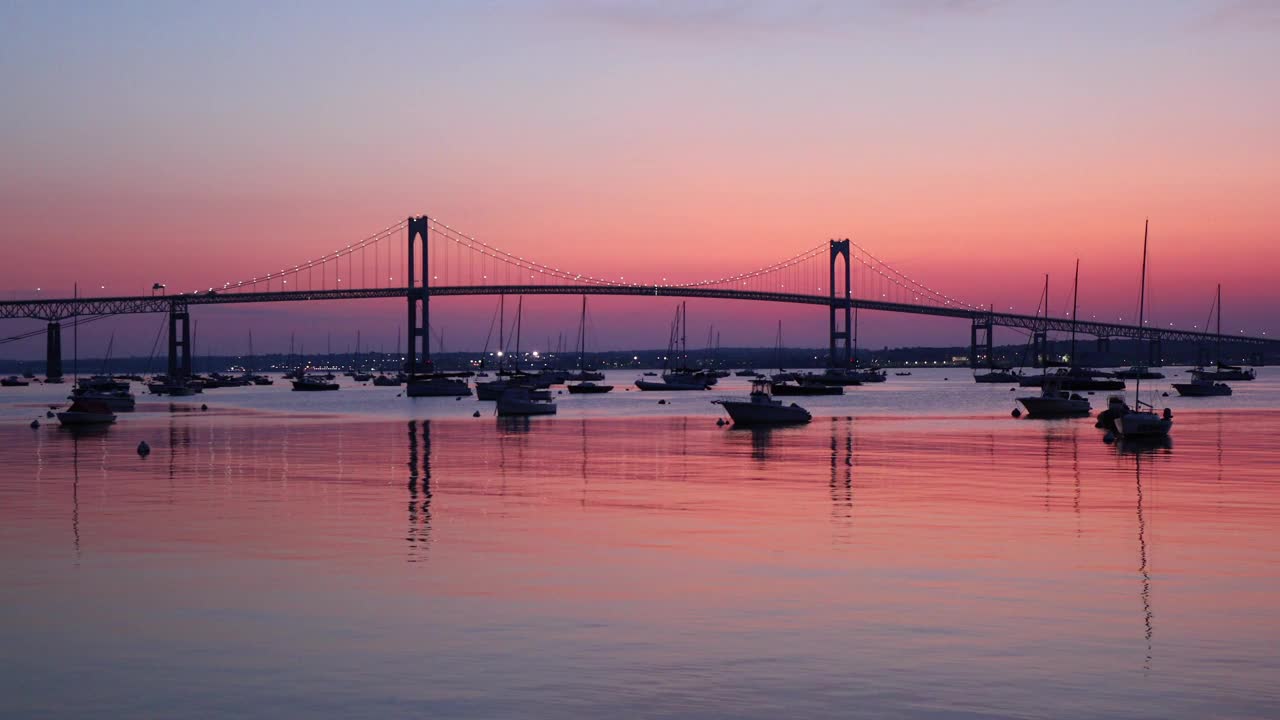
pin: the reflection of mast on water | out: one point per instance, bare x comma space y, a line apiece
75, 493
841, 487
1142, 561
419, 533
584, 459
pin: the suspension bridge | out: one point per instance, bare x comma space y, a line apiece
421, 258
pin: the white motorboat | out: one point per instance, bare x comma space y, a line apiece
761, 409
87, 412
1053, 401
521, 401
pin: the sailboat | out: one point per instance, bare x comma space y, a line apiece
1137, 422
1204, 382
1055, 398
680, 377
1223, 372
1073, 377
789, 384
514, 377
586, 386
83, 411
249, 374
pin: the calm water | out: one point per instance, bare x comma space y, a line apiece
914, 552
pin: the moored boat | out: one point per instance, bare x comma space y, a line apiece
313, 383
1138, 372
1054, 401
761, 409
1140, 423
436, 385
87, 412
587, 387
521, 401
117, 400
1202, 387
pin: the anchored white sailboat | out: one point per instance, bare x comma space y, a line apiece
1139, 422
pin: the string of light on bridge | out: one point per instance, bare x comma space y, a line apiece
805, 273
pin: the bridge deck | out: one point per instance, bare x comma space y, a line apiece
56, 309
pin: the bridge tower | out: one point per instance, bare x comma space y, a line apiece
1155, 353
419, 308
840, 305
179, 341
53, 350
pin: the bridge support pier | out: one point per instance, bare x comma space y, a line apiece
840, 332
981, 331
1039, 348
1154, 353
1104, 344
419, 308
179, 342
53, 350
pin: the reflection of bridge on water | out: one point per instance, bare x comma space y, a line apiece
421, 258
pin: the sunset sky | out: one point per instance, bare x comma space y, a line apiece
974, 144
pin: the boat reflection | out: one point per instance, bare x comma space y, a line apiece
1145, 445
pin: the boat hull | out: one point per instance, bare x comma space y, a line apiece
85, 418
782, 389
1042, 407
588, 389
665, 386
998, 378
1143, 425
749, 413
1207, 389
300, 386
437, 388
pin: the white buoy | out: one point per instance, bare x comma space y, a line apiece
144, 449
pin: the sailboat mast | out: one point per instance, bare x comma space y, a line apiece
1219, 325
1142, 309
855, 337
582, 335
778, 350
684, 328
502, 320
75, 337
1075, 302
519, 319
